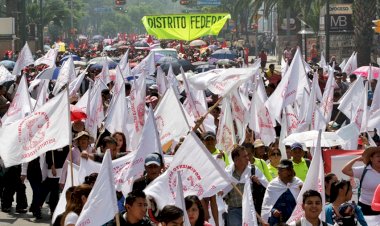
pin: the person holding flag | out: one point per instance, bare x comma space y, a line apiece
281, 194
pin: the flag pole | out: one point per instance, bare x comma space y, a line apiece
117, 219
70, 137
199, 121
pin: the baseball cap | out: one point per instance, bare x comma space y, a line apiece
295, 146
208, 134
285, 164
153, 159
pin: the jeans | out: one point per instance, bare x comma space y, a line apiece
234, 216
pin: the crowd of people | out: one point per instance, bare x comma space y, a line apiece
276, 180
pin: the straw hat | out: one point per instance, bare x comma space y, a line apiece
81, 134
368, 153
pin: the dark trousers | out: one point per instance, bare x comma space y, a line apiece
12, 185
367, 210
50, 185
37, 201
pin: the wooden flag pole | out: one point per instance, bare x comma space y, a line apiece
201, 119
117, 219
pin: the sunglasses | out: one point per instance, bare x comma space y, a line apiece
276, 154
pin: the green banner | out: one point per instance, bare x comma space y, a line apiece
185, 26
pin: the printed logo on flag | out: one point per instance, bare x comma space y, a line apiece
227, 134
141, 113
191, 180
31, 133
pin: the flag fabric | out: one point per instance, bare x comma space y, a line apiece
170, 118
350, 101
328, 97
374, 113
284, 66
343, 64
49, 58
221, 81
61, 206
123, 64
360, 116
238, 114
172, 80
66, 75
149, 143
225, 135
322, 63
145, 67
43, 94
75, 83
20, 106
351, 65
83, 101
350, 134
25, 58
162, 81
47, 128
315, 179
137, 107
116, 120
94, 111
119, 85
283, 134
292, 120
180, 199
201, 176
5, 75
190, 97
260, 121
104, 75
248, 207
286, 91
101, 204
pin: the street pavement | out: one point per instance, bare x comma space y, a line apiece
24, 219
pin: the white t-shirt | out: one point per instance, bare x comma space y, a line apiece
305, 222
71, 218
370, 182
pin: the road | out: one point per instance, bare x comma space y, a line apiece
14, 218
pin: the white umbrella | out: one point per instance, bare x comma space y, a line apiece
197, 42
309, 138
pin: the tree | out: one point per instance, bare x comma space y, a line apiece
364, 11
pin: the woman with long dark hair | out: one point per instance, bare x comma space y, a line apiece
195, 211
75, 206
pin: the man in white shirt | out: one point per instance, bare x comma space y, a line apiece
312, 205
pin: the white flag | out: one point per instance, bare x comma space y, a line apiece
149, 143
61, 206
123, 64
43, 94
351, 65
83, 101
328, 97
101, 204
343, 64
137, 97
286, 91
119, 82
315, 179
48, 59
260, 120
180, 199
352, 98
238, 114
284, 66
5, 75
360, 115
20, 106
104, 75
292, 120
225, 135
221, 81
322, 63
145, 67
25, 58
116, 120
374, 118
94, 111
170, 118
248, 207
46, 129
65, 76
75, 83
162, 81
201, 176
172, 79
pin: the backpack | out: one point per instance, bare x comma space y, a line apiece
258, 192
